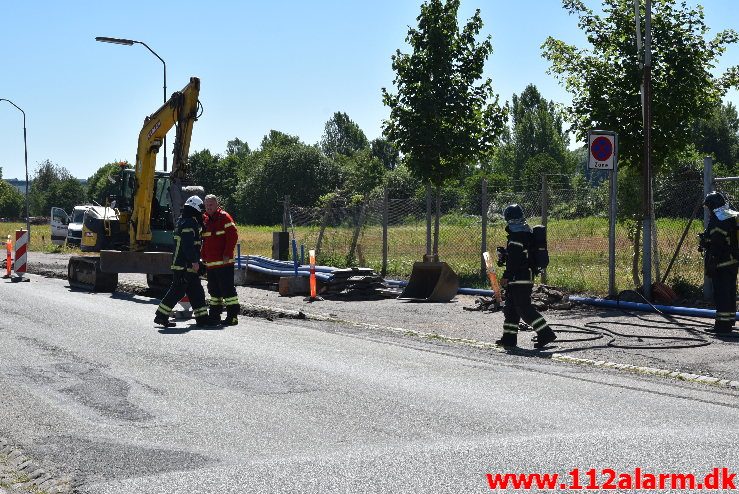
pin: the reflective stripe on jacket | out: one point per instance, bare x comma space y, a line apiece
186, 244
219, 239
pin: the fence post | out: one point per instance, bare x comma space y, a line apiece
357, 230
484, 216
544, 214
428, 222
324, 222
385, 215
707, 187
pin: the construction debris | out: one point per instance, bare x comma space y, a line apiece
485, 304
359, 283
543, 297
546, 297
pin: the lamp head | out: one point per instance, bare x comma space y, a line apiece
116, 41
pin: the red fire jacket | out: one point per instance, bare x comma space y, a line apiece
219, 239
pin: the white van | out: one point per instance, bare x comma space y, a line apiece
66, 228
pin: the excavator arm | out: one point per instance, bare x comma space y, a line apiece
181, 110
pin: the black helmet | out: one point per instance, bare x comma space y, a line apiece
714, 200
513, 212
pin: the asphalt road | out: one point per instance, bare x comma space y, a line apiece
89, 387
644, 341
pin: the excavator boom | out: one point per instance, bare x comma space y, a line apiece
180, 110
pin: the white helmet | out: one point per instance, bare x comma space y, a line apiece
195, 202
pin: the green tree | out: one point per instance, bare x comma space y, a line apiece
386, 152
53, 185
604, 81
101, 185
66, 194
717, 135
277, 139
283, 165
401, 183
220, 175
442, 120
362, 172
237, 147
537, 141
342, 136
11, 201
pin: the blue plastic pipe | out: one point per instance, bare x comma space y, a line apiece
667, 309
285, 265
238, 255
325, 277
295, 256
463, 291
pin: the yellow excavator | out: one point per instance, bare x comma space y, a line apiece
133, 231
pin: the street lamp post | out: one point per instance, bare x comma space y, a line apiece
129, 42
25, 156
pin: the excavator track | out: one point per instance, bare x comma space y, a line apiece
83, 272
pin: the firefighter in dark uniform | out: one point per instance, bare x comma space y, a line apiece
185, 266
219, 241
518, 281
719, 241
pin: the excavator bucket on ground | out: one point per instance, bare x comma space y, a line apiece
431, 282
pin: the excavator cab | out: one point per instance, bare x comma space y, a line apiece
107, 227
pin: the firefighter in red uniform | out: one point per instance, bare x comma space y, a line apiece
219, 240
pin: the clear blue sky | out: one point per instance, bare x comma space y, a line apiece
284, 65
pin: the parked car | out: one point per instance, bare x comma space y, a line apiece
59, 223
67, 228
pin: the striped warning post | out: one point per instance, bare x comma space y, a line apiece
21, 246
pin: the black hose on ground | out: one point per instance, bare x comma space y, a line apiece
595, 330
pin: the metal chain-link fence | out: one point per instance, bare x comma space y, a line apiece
351, 234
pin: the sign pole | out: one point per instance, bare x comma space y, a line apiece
603, 155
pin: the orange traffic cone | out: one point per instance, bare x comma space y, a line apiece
9, 258
312, 280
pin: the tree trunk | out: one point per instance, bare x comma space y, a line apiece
635, 258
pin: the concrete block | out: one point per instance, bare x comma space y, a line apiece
294, 285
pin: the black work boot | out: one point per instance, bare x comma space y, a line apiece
722, 328
162, 320
508, 340
214, 312
204, 322
232, 315
544, 337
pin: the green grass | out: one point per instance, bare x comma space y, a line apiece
40, 238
